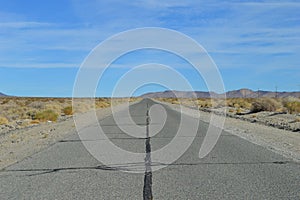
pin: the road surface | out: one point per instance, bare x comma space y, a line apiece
235, 169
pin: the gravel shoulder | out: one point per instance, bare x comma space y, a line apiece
284, 142
19, 144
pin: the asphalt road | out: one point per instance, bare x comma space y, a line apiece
235, 169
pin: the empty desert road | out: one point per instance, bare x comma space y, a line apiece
235, 169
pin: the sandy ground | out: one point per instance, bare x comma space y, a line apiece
284, 142
19, 144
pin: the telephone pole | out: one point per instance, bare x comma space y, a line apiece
276, 94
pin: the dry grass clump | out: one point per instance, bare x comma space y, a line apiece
47, 115
102, 103
68, 110
245, 103
36, 104
231, 110
266, 104
4, 100
83, 105
35, 121
239, 111
134, 99
3, 120
292, 107
55, 106
297, 119
205, 103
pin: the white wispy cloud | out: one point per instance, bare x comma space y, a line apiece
39, 65
24, 24
239, 28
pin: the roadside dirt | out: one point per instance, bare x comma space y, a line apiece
19, 144
284, 142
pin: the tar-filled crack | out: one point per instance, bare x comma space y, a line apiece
147, 191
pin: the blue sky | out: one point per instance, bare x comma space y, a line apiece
255, 44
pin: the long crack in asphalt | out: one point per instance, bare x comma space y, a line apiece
147, 191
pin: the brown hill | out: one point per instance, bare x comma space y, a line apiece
2, 95
241, 93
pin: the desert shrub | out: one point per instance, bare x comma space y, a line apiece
293, 107
245, 103
83, 105
3, 120
20, 102
31, 114
219, 103
236, 105
27, 102
61, 100
265, 104
56, 107
37, 104
68, 110
175, 101
102, 104
231, 110
5, 101
35, 121
133, 99
239, 111
205, 103
16, 112
46, 115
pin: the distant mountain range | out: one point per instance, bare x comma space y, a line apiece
2, 95
241, 93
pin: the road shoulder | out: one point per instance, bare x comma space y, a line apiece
283, 142
20, 144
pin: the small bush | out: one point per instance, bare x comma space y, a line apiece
53, 106
36, 104
68, 110
61, 100
101, 104
31, 114
35, 121
3, 120
236, 105
5, 101
205, 103
265, 104
244, 103
231, 110
47, 115
293, 107
239, 111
